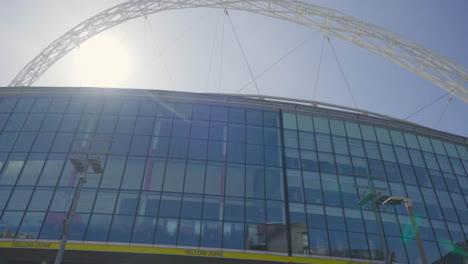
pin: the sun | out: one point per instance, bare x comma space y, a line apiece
103, 61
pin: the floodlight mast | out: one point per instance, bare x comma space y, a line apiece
446, 74
81, 167
396, 200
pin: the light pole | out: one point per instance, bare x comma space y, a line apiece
376, 199
81, 167
397, 200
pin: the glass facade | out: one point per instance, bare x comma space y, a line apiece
219, 176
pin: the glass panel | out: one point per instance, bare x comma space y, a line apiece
12, 169
121, 228
86, 201
194, 177
304, 123
289, 121
154, 174
62, 200
339, 244
321, 125
4, 194
233, 235
318, 242
41, 199
275, 212
170, 205
127, 202
139, 146
235, 180
312, 188
368, 133
31, 225
211, 234
174, 180
113, 172
105, 201
383, 136
148, 204
214, 183
274, 184
234, 209
213, 207
133, 173
192, 206
358, 243
24, 142
32, 169
271, 119
189, 232
98, 227
295, 190
9, 223
255, 211
166, 232
237, 115
19, 198
143, 230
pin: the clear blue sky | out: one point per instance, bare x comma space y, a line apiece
190, 46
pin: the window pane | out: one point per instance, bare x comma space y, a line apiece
191, 206
213, 207
105, 201
274, 184
235, 180
12, 169
32, 169
127, 202
113, 172
143, 230
19, 198
148, 204
31, 225
98, 227
62, 200
9, 223
121, 228
255, 182
41, 199
214, 183
174, 180
166, 232
133, 173
255, 211
233, 235
170, 205
211, 234
234, 209
154, 174
189, 232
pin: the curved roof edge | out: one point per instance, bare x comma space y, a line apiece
271, 102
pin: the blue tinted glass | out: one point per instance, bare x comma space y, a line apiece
211, 234
271, 119
271, 136
255, 211
148, 108
327, 162
88, 123
189, 232
166, 231
43, 142
324, 142
237, 115
318, 242
31, 225
338, 244
139, 145
10, 222
216, 150
236, 133
121, 228
113, 172
295, 190
86, 201
76, 105
112, 106
126, 202
236, 152
144, 125
358, 244
174, 180
312, 189
181, 128
62, 142
273, 156
254, 135
215, 177
290, 139
7, 104
274, 184
4, 194
297, 214
148, 204
218, 131
62, 200
15, 122
178, 148
98, 227
197, 149
192, 206
166, 109
105, 201
275, 212
234, 209
59, 105
130, 107
41, 199
52, 226
315, 216
33, 123
19, 198
343, 164
393, 171
107, 124
376, 167
120, 144
255, 182
219, 113
254, 154
125, 125
70, 123
199, 130
201, 112
143, 230
254, 117
213, 207
41, 104
184, 110
162, 127
194, 177
235, 180
12, 169
170, 205
24, 141
94, 106
159, 147
233, 235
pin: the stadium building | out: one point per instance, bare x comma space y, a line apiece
210, 178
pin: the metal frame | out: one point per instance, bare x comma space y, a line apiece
448, 75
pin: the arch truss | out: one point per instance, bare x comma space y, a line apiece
439, 70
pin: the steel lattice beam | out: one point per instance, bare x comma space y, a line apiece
439, 70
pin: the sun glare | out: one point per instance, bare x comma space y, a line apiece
104, 62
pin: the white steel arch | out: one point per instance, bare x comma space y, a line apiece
439, 70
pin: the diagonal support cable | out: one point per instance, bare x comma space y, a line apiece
243, 53
342, 72
318, 68
280, 59
426, 106
443, 111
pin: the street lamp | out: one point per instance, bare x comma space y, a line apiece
81, 167
397, 200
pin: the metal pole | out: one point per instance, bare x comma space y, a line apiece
381, 232
409, 208
66, 228
379, 222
